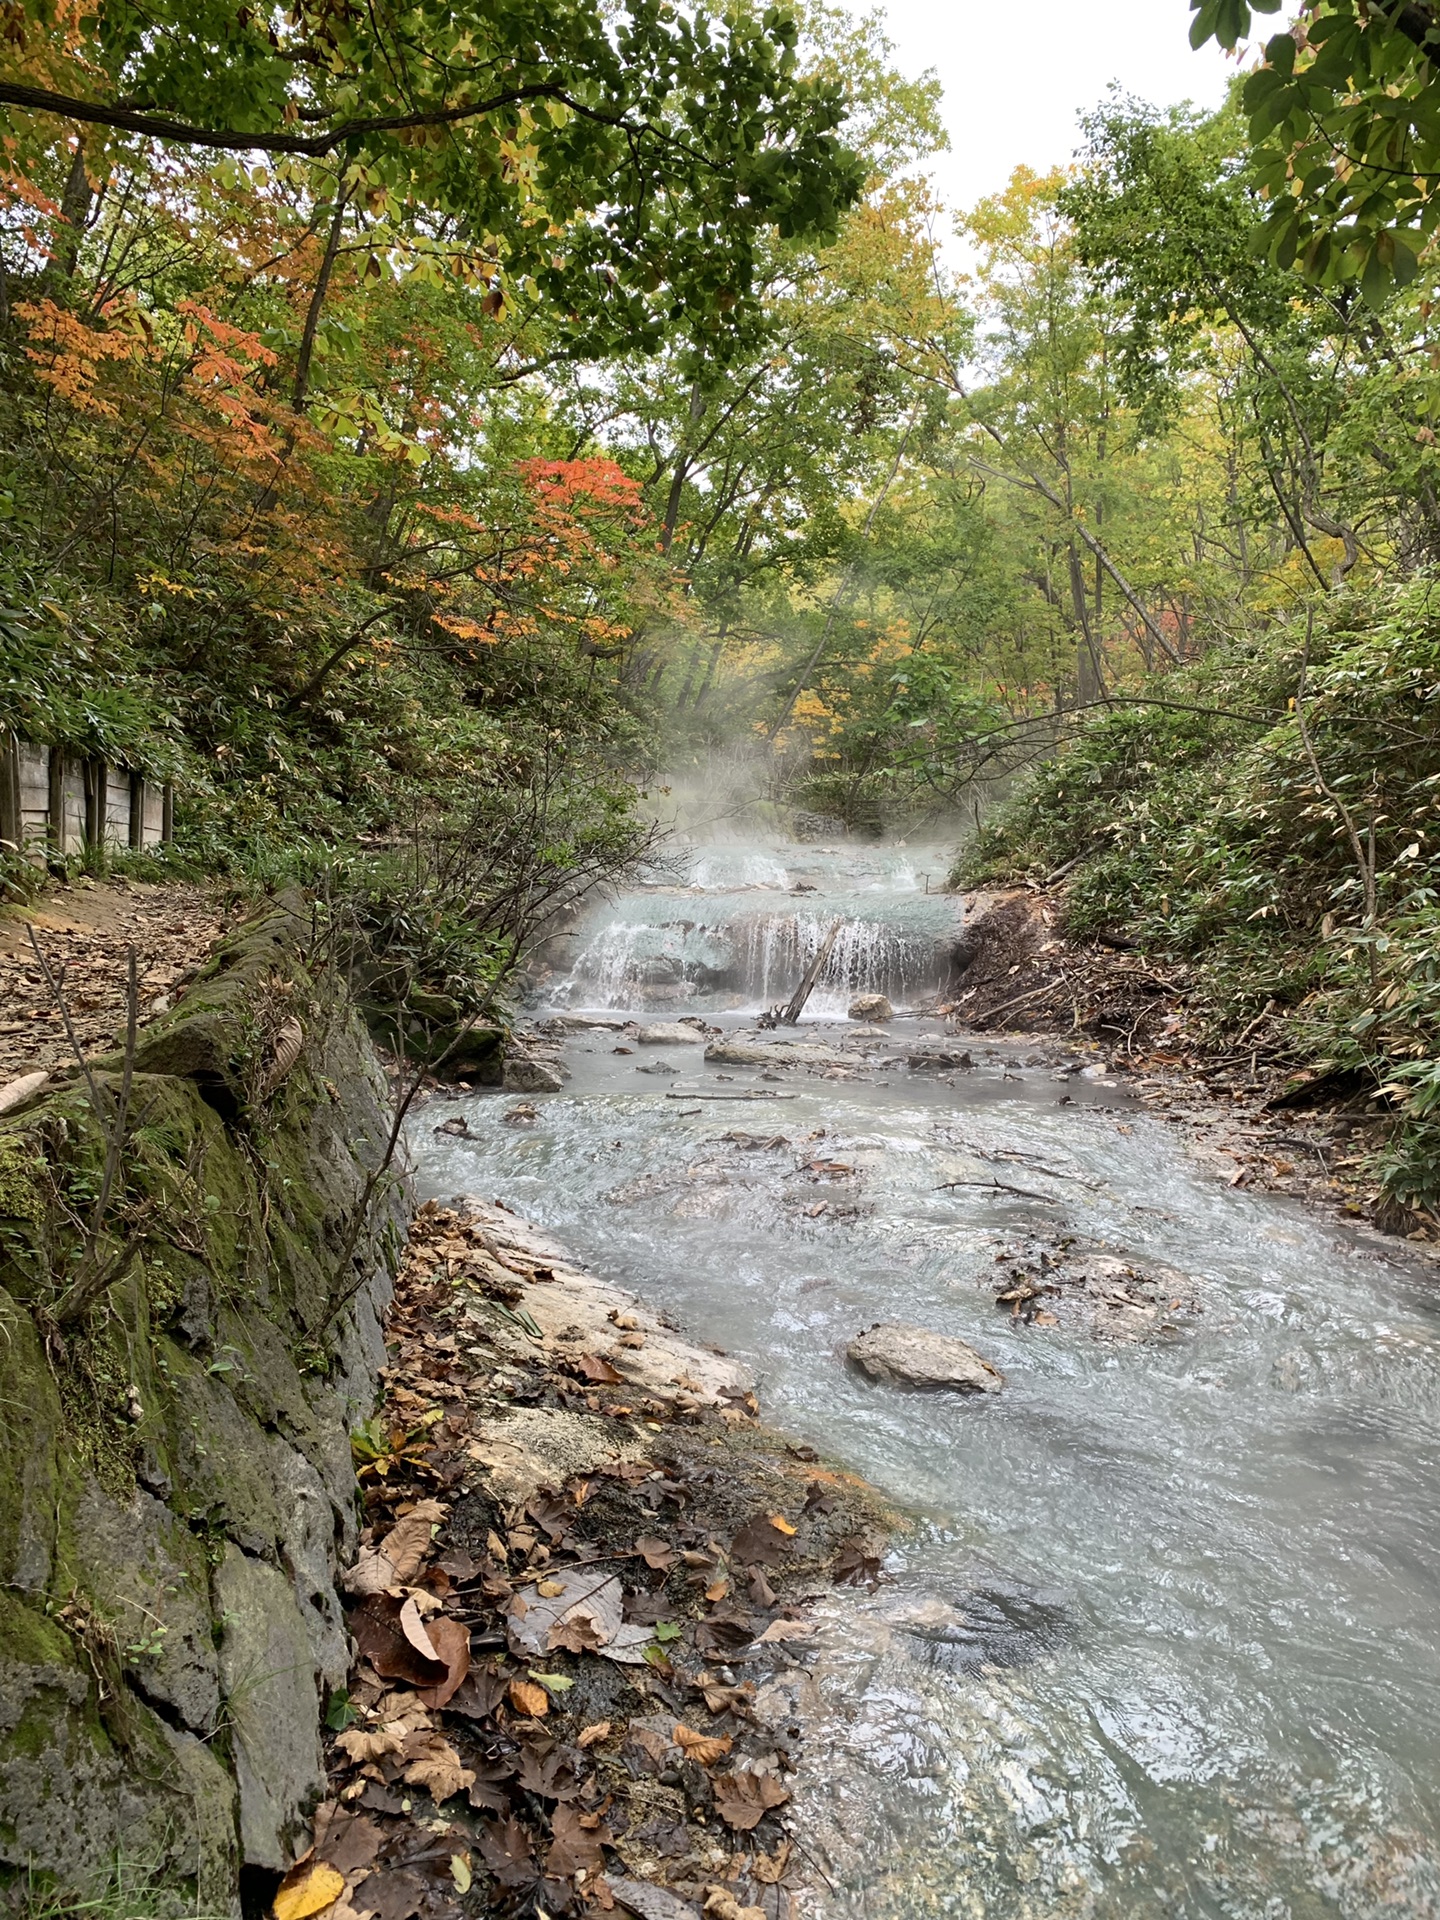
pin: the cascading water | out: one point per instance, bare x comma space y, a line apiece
741, 931
1163, 1643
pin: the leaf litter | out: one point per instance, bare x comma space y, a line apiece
546, 1710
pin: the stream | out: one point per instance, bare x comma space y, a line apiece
1164, 1639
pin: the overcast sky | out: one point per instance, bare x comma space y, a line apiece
1016, 75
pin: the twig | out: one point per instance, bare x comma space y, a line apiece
999, 1186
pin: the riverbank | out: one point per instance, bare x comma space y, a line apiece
1250, 1109
585, 1563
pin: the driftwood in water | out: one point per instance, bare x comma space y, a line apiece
789, 1015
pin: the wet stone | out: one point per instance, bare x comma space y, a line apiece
671, 1033
915, 1357
870, 1006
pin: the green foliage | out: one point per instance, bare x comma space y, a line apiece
1218, 840
612, 166
1345, 108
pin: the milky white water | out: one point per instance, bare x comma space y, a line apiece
1165, 1640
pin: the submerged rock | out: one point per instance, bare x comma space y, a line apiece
870, 1006
938, 1057
783, 1053
915, 1357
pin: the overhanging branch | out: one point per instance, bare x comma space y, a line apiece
160, 127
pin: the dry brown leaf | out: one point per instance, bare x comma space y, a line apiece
307, 1889
548, 1589
717, 1590
721, 1904
436, 1767
598, 1371
451, 1641
769, 1868
592, 1735
787, 1630
414, 1630
655, 1552
363, 1744
704, 1747
400, 1555
527, 1697
743, 1799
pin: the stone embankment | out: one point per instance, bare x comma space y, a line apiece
177, 1489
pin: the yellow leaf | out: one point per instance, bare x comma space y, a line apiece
778, 1520
306, 1890
526, 1697
460, 1872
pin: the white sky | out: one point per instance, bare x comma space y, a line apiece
1016, 75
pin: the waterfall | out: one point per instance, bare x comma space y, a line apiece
726, 942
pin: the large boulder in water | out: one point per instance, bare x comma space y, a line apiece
671, 1033
523, 1075
871, 1006
915, 1357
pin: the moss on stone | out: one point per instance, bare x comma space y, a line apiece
22, 1189
182, 1395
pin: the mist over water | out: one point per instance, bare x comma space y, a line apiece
1163, 1642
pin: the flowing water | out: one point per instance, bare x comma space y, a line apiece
1165, 1640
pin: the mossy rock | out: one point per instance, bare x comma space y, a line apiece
197, 1420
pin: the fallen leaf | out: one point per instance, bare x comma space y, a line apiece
786, 1630
362, 1744
451, 1642
436, 1767
400, 1554
553, 1682
721, 1904
414, 1630
717, 1590
779, 1520
742, 1799
548, 1589
729, 1699
769, 1868
592, 1735
758, 1541
460, 1872
655, 1552
574, 1848
391, 1896
704, 1747
379, 1635
307, 1889
478, 1694
528, 1698
506, 1848
599, 1371
344, 1839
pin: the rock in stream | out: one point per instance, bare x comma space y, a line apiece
915, 1357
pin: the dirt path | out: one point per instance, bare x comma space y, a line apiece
86, 930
